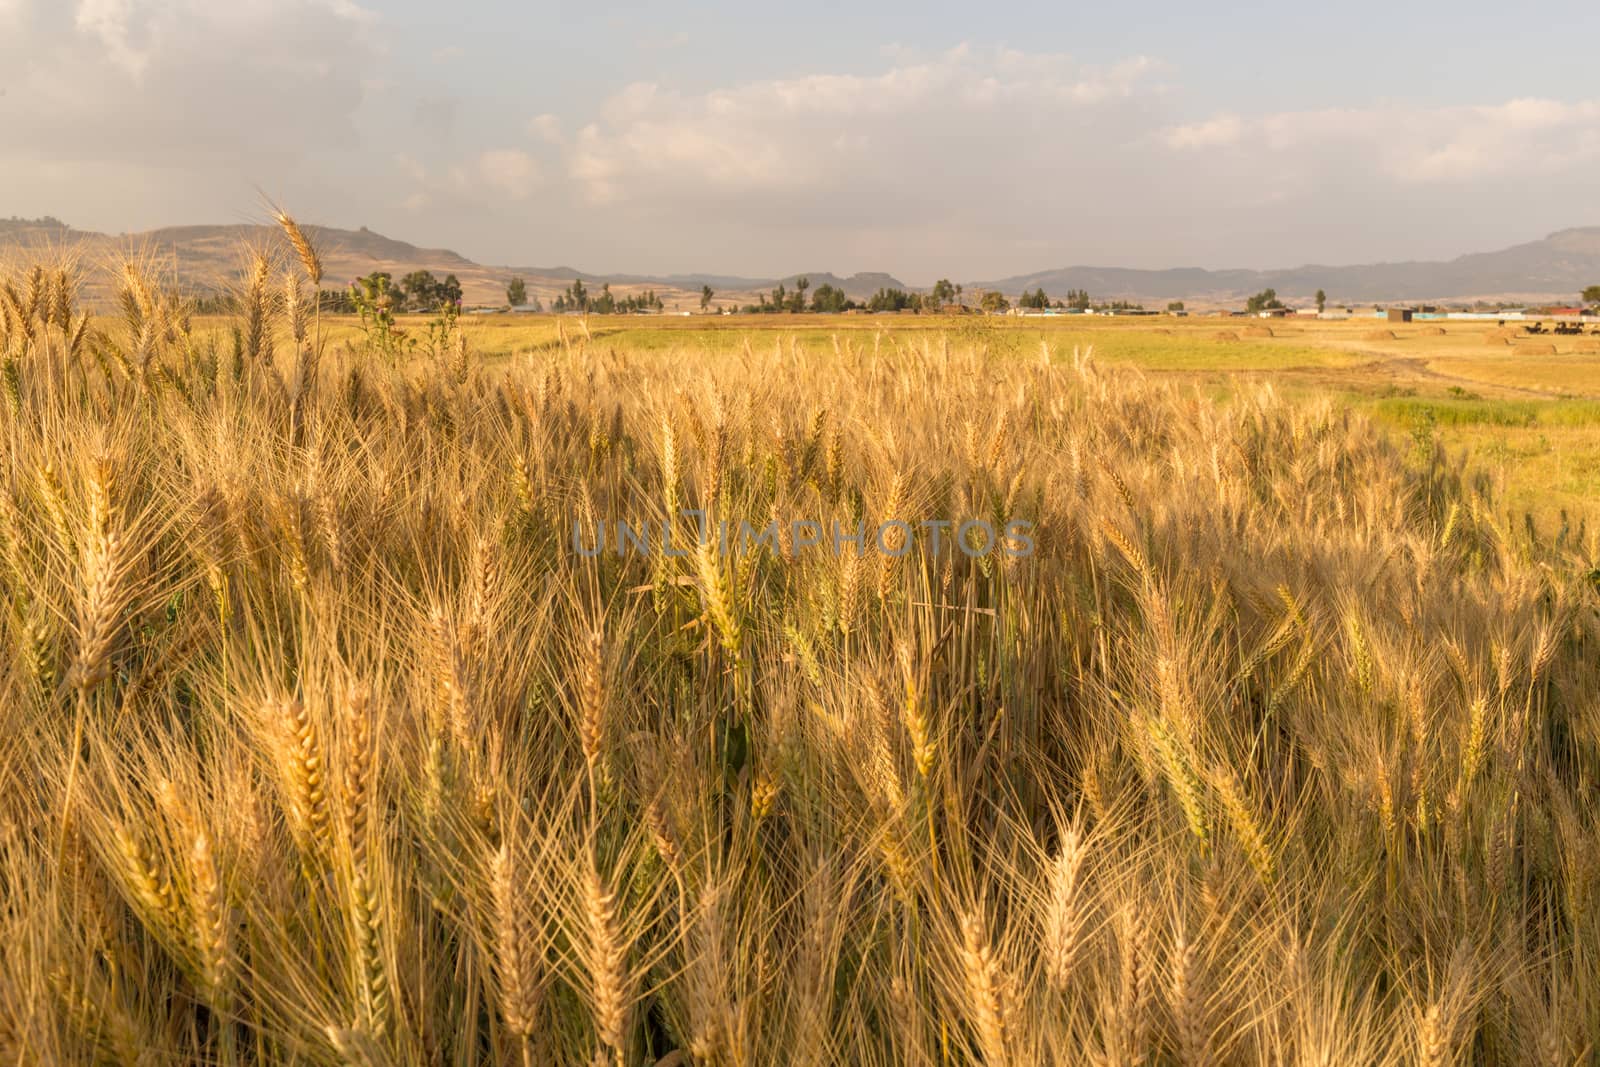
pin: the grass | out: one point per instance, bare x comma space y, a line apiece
322, 742
1565, 374
1159, 348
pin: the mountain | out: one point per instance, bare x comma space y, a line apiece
26, 231
1555, 268
209, 258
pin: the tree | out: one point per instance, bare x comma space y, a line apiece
797, 302
943, 292
890, 300
448, 292
1322, 301
419, 291
705, 297
576, 298
829, 299
517, 293
1036, 299
1176, 305
993, 301
1591, 295
333, 301
1265, 299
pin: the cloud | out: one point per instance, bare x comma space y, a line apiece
508, 171
1408, 145
1009, 158
111, 21
162, 82
547, 128
1215, 132
483, 181
975, 160
825, 134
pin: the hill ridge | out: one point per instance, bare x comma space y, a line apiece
207, 256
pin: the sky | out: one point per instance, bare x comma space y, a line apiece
929, 139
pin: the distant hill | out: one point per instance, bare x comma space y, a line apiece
1555, 268
46, 234
209, 258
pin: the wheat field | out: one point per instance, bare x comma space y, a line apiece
322, 742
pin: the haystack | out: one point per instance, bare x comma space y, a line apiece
1378, 335
1258, 331
1536, 350
1224, 335
1431, 331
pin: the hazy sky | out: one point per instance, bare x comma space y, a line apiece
968, 139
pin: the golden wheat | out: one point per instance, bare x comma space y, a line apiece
321, 744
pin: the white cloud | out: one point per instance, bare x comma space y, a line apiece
547, 128
486, 180
109, 20
507, 171
1221, 130
1408, 145
974, 160
92, 81
822, 134
1016, 159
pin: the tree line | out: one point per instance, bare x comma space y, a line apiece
421, 291
829, 299
578, 298
417, 291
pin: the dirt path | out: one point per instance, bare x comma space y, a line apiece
1418, 368
1380, 368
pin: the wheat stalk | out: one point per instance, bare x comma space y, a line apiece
1064, 917
1189, 1007
303, 763
1246, 826
605, 955
985, 983
518, 949
303, 248
212, 940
